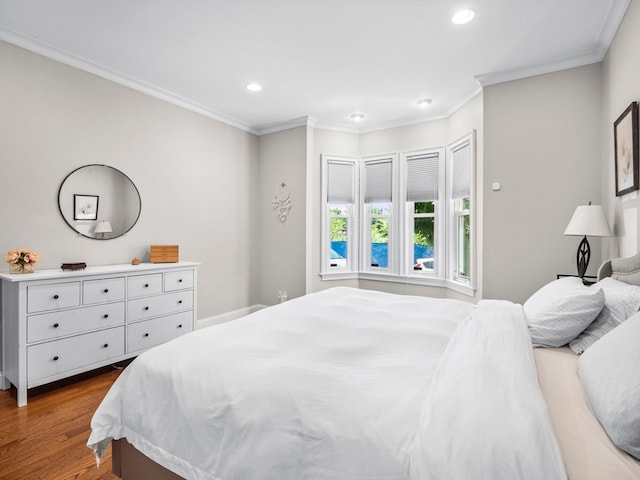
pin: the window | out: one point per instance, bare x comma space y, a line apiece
339, 230
462, 222
405, 217
378, 216
461, 168
339, 220
424, 201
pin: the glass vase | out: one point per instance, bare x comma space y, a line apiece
22, 267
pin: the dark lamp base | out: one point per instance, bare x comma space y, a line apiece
583, 256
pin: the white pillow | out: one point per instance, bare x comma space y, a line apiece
610, 373
621, 301
559, 311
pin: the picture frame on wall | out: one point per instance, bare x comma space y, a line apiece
85, 207
627, 150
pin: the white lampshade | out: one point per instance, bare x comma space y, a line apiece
589, 220
103, 227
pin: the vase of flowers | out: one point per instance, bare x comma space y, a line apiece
22, 260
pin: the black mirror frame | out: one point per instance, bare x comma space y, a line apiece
116, 170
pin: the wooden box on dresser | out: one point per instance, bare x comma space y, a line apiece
59, 323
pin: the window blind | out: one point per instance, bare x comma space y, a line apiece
422, 177
461, 171
340, 182
378, 175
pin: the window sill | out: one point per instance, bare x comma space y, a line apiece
408, 279
461, 288
339, 276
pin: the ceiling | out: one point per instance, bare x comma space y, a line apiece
318, 61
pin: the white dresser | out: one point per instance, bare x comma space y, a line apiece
56, 324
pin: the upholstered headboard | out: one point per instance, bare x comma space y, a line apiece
624, 269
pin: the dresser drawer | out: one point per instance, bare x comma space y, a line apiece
180, 280
60, 356
41, 298
143, 308
48, 326
102, 291
142, 285
147, 334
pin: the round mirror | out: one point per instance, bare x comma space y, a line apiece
99, 202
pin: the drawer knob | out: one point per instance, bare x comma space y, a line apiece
179, 302
179, 280
106, 290
55, 359
56, 296
180, 326
106, 345
146, 308
146, 285
56, 325
106, 315
146, 335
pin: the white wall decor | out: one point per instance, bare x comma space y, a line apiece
281, 202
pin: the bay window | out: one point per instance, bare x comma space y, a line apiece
405, 217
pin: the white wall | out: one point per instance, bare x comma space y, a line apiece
542, 143
281, 246
621, 86
197, 177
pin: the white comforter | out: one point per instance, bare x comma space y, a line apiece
338, 385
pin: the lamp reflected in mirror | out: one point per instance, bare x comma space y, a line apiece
103, 227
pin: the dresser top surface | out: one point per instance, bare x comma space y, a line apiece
126, 268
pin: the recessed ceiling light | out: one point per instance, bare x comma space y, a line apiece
356, 117
424, 102
254, 87
463, 16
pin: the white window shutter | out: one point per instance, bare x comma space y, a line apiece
461, 171
422, 177
378, 181
340, 188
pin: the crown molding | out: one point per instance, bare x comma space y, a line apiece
502, 76
614, 19
336, 127
67, 58
610, 28
339, 127
281, 126
437, 115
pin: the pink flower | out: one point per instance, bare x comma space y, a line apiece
12, 257
21, 256
32, 257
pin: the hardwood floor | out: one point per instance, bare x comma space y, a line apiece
46, 439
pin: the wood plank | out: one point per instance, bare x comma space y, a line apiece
46, 439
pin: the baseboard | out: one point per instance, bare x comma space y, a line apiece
228, 316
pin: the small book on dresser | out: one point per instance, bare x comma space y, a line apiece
74, 266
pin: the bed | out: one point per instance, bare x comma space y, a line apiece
353, 384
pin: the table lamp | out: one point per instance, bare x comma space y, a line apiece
587, 220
